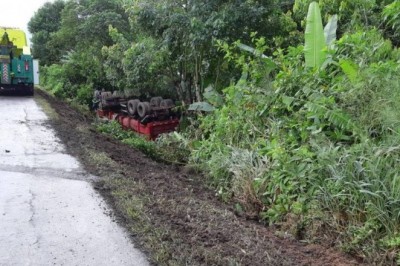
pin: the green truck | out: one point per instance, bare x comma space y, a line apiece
16, 64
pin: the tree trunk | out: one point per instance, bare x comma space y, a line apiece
197, 86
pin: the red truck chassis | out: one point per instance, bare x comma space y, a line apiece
150, 126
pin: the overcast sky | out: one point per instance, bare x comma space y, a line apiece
17, 13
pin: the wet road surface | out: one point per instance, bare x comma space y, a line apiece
49, 214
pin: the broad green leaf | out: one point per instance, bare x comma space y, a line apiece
295, 6
270, 63
201, 106
213, 97
252, 50
350, 69
315, 46
330, 31
287, 101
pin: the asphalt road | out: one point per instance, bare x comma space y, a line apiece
49, 212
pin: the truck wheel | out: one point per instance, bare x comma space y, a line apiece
155, 101
132, 106
167, 103
143, 109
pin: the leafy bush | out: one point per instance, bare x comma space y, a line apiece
173, 147
84, 94
54, 79
317, 144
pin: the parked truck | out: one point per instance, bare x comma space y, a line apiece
16, 64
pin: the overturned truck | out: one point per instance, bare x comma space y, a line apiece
148, 118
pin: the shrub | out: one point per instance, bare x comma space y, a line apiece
316, 144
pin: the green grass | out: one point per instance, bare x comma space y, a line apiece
114, 129
47, 109
168, 148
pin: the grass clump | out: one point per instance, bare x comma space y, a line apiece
114, 129
100, 158
168, 148
130, 201
47, 109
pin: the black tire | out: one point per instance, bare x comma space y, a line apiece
167, 103
143, 109
155, 101
133, 106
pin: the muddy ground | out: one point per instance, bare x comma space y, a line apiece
170, 213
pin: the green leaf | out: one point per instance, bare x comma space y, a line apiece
287, 101
213, 97
252, 50
201, 106
315, 46
269, 62
350, 69
330, 31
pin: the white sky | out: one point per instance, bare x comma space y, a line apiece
17, 13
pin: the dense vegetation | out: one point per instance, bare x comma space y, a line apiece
311, 148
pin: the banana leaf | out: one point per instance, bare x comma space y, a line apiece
201, 106
247, 48
330, 31
315, 46
269, 62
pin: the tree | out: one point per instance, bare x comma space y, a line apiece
86, 23
187, 32
75, 44
45, 22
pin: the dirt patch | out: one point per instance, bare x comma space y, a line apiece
170, 212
